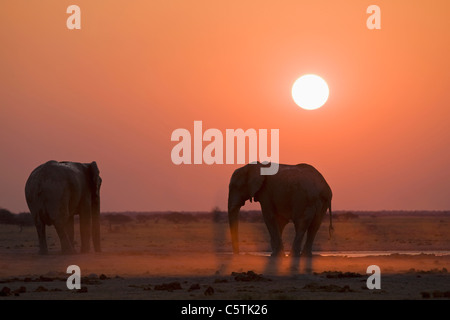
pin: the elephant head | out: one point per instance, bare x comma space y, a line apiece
244, 185
96, 182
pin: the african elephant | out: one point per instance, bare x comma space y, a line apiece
296, 192
55, 192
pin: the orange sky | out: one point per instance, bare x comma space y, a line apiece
137, 70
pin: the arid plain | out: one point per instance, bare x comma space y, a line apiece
188, 256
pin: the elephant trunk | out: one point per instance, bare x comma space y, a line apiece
233, 217
96, 223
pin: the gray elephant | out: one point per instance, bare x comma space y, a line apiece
55, 192
296, 192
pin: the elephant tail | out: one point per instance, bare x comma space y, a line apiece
330, 228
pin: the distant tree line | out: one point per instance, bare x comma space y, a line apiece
22, 219
216, 215
116, 219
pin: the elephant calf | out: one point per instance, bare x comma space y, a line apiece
55, 192
296, 192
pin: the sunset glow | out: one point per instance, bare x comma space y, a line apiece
381, 138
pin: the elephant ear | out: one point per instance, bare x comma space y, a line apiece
96, 181
255, 180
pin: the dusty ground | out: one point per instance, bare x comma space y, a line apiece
160, 259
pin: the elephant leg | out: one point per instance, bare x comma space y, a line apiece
66, 244
85, 230
281, 223
312, 231
70, 229
301, 223
40, 228
274, 231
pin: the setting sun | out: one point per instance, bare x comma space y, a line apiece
310, 92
